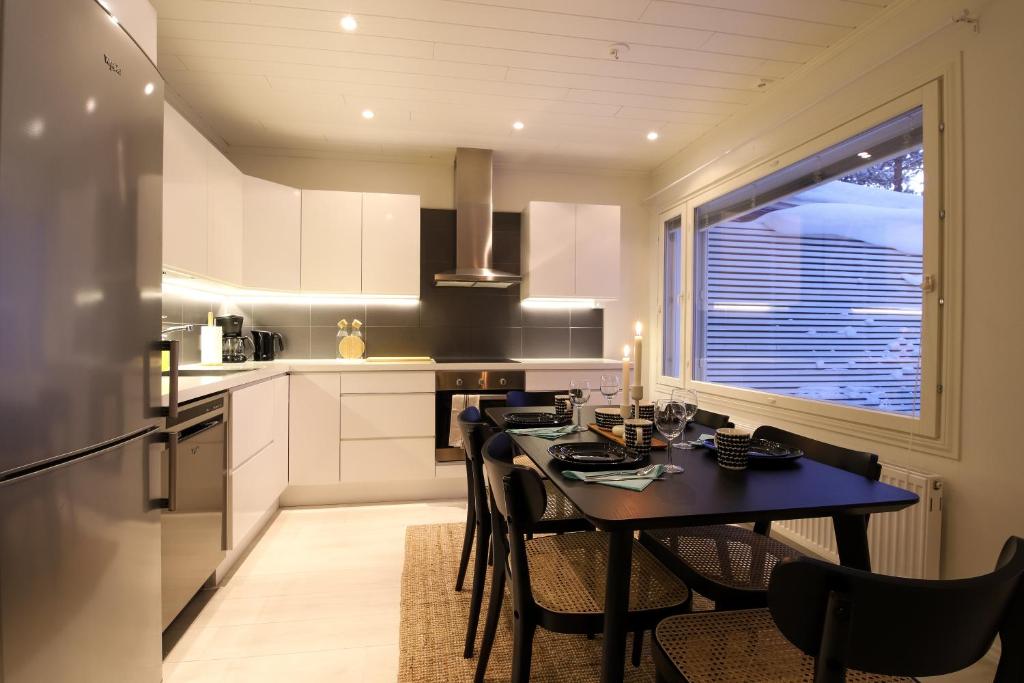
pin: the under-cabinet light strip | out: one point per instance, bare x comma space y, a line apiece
559, 304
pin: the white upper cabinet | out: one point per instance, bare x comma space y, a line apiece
185, 213
391, 244
272, 222
570, 250
332, 229
225, 218
597, 251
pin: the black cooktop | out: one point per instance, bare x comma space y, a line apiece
477, 359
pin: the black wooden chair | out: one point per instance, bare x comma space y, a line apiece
560, 516
706, 418
731, 564
558, 580
829, 623
529, 399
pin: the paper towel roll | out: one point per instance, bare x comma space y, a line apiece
210, 351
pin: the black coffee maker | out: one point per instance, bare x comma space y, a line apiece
232, 341
266, 344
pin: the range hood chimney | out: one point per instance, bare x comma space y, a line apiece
474, 177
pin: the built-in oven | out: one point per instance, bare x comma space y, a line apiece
194, 487
489, 387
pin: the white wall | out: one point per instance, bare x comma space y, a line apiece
139, 19
513, 188
916, 39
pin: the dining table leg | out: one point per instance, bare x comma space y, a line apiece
852, 540
616, 605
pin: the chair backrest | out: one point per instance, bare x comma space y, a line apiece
857, 462
711, 420
519, 498
529, 399
474, 434
848, 618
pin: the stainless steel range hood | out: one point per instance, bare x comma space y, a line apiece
474, 225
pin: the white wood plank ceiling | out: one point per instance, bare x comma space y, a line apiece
283, 74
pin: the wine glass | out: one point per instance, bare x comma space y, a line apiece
609, 386
688, 399
579, 394
670, 419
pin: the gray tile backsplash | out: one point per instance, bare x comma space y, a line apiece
446, 322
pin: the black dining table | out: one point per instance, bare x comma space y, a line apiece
707, 494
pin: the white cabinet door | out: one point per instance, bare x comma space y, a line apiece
597, 251
548, 246
252, 421
385, 460
332, 241
387, 382
254, 490
184, 204
225, 218
314, 428
273, 223
391, 244
381, 416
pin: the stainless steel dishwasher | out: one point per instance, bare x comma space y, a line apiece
194, 486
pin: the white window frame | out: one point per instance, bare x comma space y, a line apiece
937, 426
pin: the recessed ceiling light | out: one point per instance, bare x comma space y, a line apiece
652, 136
518, 125
368, 114
864, 155
349, 23
149, 89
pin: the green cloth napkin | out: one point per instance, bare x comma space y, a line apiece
636, 482
551, 433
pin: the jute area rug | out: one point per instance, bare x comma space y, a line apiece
433, 624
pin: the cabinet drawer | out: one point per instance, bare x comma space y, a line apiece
255, 487
387, 460
313, 431
558, 380
386, 382
385, 416
252, 421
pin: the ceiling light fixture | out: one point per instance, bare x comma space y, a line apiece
652, 136
864, 155
349, 23
518, 125
368, 114
149, 89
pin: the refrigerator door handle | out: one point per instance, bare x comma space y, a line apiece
172, 471
174, 347
154, 472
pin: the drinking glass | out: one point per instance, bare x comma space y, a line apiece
670, 419
609, 386
688, 399
579, 394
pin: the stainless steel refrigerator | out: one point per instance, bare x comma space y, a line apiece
81, 128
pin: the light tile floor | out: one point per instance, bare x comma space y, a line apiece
317, 599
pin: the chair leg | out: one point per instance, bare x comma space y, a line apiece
477, 597
490, 555
638, 647
467, 545
522, 649
491, 624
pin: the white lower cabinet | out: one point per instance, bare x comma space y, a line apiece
558, 380
382, 416
259, 421
383, 460
314, 428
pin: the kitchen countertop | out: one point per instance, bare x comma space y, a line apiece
196, 386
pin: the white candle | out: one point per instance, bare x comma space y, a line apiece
638, 356
625, 372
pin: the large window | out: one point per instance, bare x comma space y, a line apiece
808, 281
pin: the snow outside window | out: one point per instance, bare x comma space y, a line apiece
808, 281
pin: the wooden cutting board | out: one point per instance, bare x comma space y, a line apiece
656, 443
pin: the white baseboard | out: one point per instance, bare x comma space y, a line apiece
375, 492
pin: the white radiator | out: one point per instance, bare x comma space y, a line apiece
904, 543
